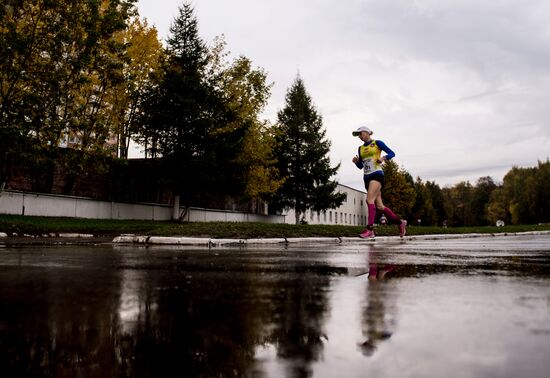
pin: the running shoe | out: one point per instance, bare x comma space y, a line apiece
367, 234
402, 228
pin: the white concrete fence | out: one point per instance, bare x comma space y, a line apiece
24, 203
352, 212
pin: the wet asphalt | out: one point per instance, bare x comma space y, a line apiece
476, 307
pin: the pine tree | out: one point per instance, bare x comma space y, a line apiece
302, 153
178, 107
185, 45
185, 118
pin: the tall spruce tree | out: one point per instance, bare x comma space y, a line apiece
302, 153
185, 118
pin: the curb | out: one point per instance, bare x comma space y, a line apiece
51, 235
211, 242
74, 235
208, 242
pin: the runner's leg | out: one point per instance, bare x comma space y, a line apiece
372, 194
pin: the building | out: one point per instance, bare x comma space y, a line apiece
352, 212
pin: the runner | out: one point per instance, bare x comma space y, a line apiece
370, 160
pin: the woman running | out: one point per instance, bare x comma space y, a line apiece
369, 159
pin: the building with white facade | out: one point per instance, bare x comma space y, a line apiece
352, 212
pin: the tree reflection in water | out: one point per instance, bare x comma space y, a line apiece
158, 313
165, 312
210, 323
300, 312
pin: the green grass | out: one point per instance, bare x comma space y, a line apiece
17, 224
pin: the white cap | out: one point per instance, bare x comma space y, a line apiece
362, 128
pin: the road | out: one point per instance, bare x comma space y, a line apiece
475, 307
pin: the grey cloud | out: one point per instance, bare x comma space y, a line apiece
493, 38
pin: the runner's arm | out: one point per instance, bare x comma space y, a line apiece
359, 162
389, 153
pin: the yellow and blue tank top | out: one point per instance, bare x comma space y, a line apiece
369, 156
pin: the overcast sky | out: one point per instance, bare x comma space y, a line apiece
459, 89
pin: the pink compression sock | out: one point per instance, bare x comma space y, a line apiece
391, 215
372, 214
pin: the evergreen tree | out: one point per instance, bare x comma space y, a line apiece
185, 117
302, 153
418, 209
177, 108
429, 205
438, 203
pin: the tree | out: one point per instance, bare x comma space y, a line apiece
537, 193
438, 203
497, 207
515, 196
421, 203
459, 204
245, 94
143, 55
302, 153
524, 196
185, 120
59, 59
397, 192
543, 188
176, 117
480, 200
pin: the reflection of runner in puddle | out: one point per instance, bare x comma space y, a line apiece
376, 322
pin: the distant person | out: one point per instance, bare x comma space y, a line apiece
369, 159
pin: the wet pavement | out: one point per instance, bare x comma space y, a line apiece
455, 308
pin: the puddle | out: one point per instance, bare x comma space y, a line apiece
461, 308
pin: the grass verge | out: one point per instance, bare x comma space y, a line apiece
29, 225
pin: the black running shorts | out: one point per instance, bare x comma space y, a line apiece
374, 177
